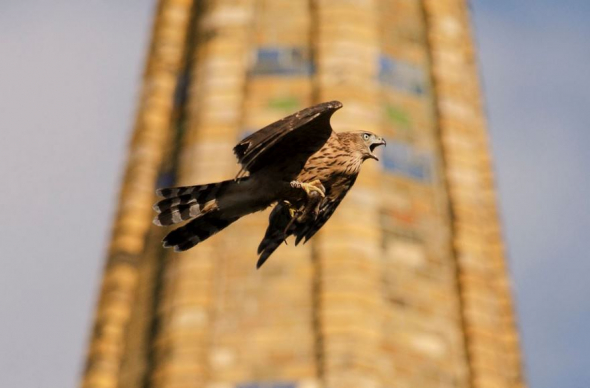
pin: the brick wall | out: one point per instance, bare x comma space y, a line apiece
406, 285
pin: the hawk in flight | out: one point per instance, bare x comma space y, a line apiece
298, 163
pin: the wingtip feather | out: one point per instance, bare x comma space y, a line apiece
263, 258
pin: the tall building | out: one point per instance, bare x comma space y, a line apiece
406, 286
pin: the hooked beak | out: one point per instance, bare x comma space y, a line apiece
376, 144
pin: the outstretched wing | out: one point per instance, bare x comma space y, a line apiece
280, 226
287, 143
309, 229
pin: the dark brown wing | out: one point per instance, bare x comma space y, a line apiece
309, 229
280, 220
287, 143
277, 232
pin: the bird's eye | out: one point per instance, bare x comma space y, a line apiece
366, 136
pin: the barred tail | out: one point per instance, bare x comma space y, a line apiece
197, 230
208, 206
185, 203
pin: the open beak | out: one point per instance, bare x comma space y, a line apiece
376, 144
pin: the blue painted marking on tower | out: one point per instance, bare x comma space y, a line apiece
285, 61
402, 75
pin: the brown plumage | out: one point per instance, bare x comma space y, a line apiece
298, 162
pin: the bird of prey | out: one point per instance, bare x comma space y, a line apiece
298, 163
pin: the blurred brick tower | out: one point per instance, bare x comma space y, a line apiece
406, 286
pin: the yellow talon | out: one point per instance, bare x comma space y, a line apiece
314, 186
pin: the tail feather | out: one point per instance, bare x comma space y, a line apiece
199, 192
168, 203
172, 192
208, 206
184, 203
179, 213
197, 230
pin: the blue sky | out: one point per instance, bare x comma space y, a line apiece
69, 80
534, 59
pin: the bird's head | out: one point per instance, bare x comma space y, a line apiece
365, 142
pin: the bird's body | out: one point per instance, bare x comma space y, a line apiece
297, 163
335, 165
